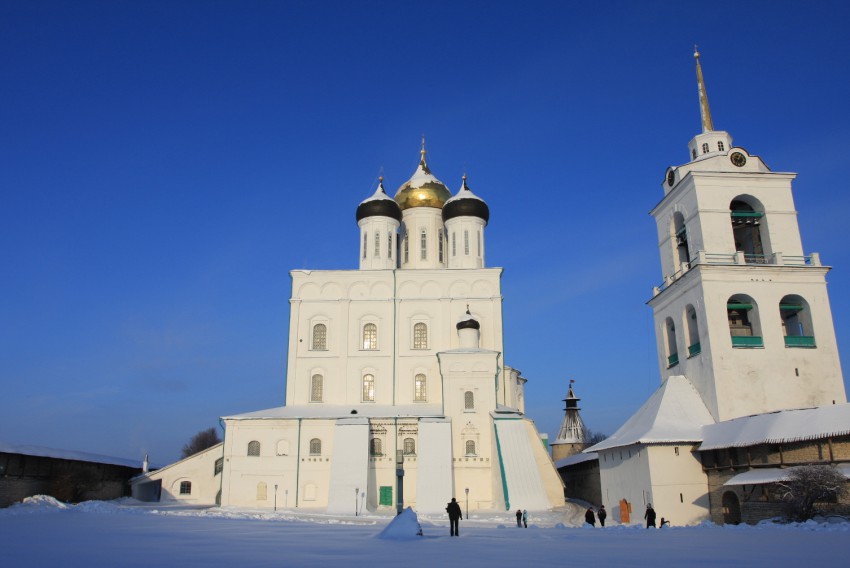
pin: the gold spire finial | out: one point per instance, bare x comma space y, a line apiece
423, 150
704, 111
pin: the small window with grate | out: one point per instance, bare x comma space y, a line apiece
185, 488
253, 448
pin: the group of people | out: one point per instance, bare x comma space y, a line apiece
590, 518
521, 518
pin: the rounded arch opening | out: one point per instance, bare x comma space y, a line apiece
744, 327
692, 330
670, 341
796, 321
749, 229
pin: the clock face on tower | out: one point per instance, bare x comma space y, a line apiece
671, 177
738, 159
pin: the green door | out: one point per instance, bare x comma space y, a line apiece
386, 495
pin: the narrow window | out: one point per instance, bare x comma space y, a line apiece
705, 148
320, 337
681, 254
720, 146
185, 488
419, 392
478, 234
672, 350
693, 154
441, 246
365, 243
390, 245
315, 447
262, 491
316, 387
253, 448
420, 336
405, 247
746, 232
409, 447
219, 466
370, 336
454, 243
375, 447
466, 242
368, 388
468, 400
423, 245
796, 322
470, 447
692, 328
377, 244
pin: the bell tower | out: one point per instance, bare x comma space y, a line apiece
743, 310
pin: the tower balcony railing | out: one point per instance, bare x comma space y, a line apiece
747, 341
737, 258
799, 341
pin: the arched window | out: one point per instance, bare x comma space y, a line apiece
441, 245
320, 337
253, 448
423, 245
185, 488
454, 243
377, 244
746, 231
692, 331
405, 248
672, 350
368, 388
468, 400
316, 388
681, 254
796, 322
390, 245
466, 242
720, 146
315, 447
693, 154
420, 394
409, 447
375, 447
470, 447
420, 336
370, 336
479, 242
742, 314
365, 243
705, 148
262, 491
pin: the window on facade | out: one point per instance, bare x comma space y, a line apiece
262, 491
370, 336
185, 488
681, 255
419, 390
796, 322
423, 245
470, 447
420, 336
368, 388
315, 447
377, 244
320, 337
478, 234
692, 330
742, 314
705, 148
468, 400
390, 245
219, 465
253, 448
375, 447
746, 231
720, 146
365, 243
405, 248
441, 245
693, 154
409, 447
466, 243
670, 336
454, 243
316, 388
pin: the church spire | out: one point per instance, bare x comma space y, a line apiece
705, 112
423, 152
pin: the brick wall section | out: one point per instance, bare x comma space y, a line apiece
582, 481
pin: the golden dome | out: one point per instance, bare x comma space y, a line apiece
422, 189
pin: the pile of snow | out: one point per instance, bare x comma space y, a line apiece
404, 527
37, 504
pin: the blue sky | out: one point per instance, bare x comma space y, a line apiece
165, 164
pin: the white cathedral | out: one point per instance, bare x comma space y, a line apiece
393, 366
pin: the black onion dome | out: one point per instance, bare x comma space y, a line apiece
379, 205
468, 322
466, 204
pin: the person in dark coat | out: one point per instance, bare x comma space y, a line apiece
589, 517
602, 514
649, 516
455, 514
519, 518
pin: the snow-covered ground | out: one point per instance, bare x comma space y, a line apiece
43, 532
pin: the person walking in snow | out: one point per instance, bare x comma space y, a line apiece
519, 518
602, 515
589, 518
455, 514
649, 516
525, 517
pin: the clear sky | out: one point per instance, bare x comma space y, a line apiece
164, 164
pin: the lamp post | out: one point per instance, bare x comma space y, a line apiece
356, 502
467, 503
362, 500
399, 472
286, 496
275, 497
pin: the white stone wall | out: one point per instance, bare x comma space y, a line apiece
198, 469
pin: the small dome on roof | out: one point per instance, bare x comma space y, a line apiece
422, 189
379, 205
468, 322
466, 204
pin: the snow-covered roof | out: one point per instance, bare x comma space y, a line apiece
576, 459
463, 193
774, 474
674, 413
778, 427
379, 195
66, 455
332, 411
